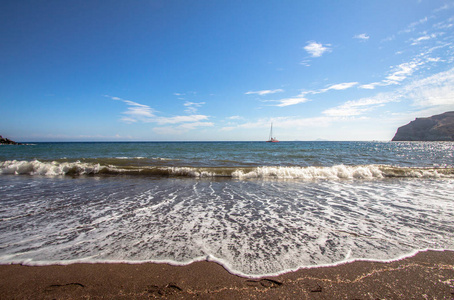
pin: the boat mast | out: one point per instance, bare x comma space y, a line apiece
271, 131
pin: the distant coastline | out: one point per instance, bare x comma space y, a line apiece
5, 141
431, 129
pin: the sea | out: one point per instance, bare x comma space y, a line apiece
256, 208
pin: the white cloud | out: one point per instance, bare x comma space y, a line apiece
128, 120
189, 126
305, 63
180, 119
316, 49
398, 73
264, 92
426, 37
446, 6
370, 86
337, 87
197, 104
413, 25
420, 39
291, 101
301, 98
359, 107
402, 71
362, 36
434, 91
280, 123
235, 118
192, 106
340, 86
137, 112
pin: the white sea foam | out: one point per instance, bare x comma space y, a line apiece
252, 227
92, 260
337, 172
54, 168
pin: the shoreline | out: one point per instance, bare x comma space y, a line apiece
427, 274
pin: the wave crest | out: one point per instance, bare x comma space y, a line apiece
55, 168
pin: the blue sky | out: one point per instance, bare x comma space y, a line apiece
222, 70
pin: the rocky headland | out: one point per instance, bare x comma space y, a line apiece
434, 128
5, 141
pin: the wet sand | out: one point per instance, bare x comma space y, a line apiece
428, 275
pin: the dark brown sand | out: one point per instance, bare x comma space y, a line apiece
428, 275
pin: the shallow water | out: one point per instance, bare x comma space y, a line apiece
252, 227
255, 219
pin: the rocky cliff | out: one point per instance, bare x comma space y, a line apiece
4, 141
435, 128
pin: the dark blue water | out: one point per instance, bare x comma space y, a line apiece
235, 154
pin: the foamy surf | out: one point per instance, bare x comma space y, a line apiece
252, 227
336, 172
225, 264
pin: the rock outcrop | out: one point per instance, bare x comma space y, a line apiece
5, 141
435, 128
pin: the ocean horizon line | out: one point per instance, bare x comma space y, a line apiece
198, 141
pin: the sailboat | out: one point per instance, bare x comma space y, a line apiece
272, 139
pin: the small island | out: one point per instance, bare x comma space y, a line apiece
5, 141
434, 128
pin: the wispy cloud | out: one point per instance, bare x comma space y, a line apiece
192, 107
305, 63
190, 126
358, 107
302, 97
137, 112
371, 86
180, 119
291, 101
339, 86
398, 73
425, 37
316, 49
362, 36
284, 123
446, 6
264, 92
417, 41
444, 24
402, 71
434, 91
412, 26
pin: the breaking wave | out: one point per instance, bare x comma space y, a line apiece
78, 168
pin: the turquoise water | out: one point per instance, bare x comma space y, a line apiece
256, 208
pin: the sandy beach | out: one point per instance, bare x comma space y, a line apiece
427, 275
